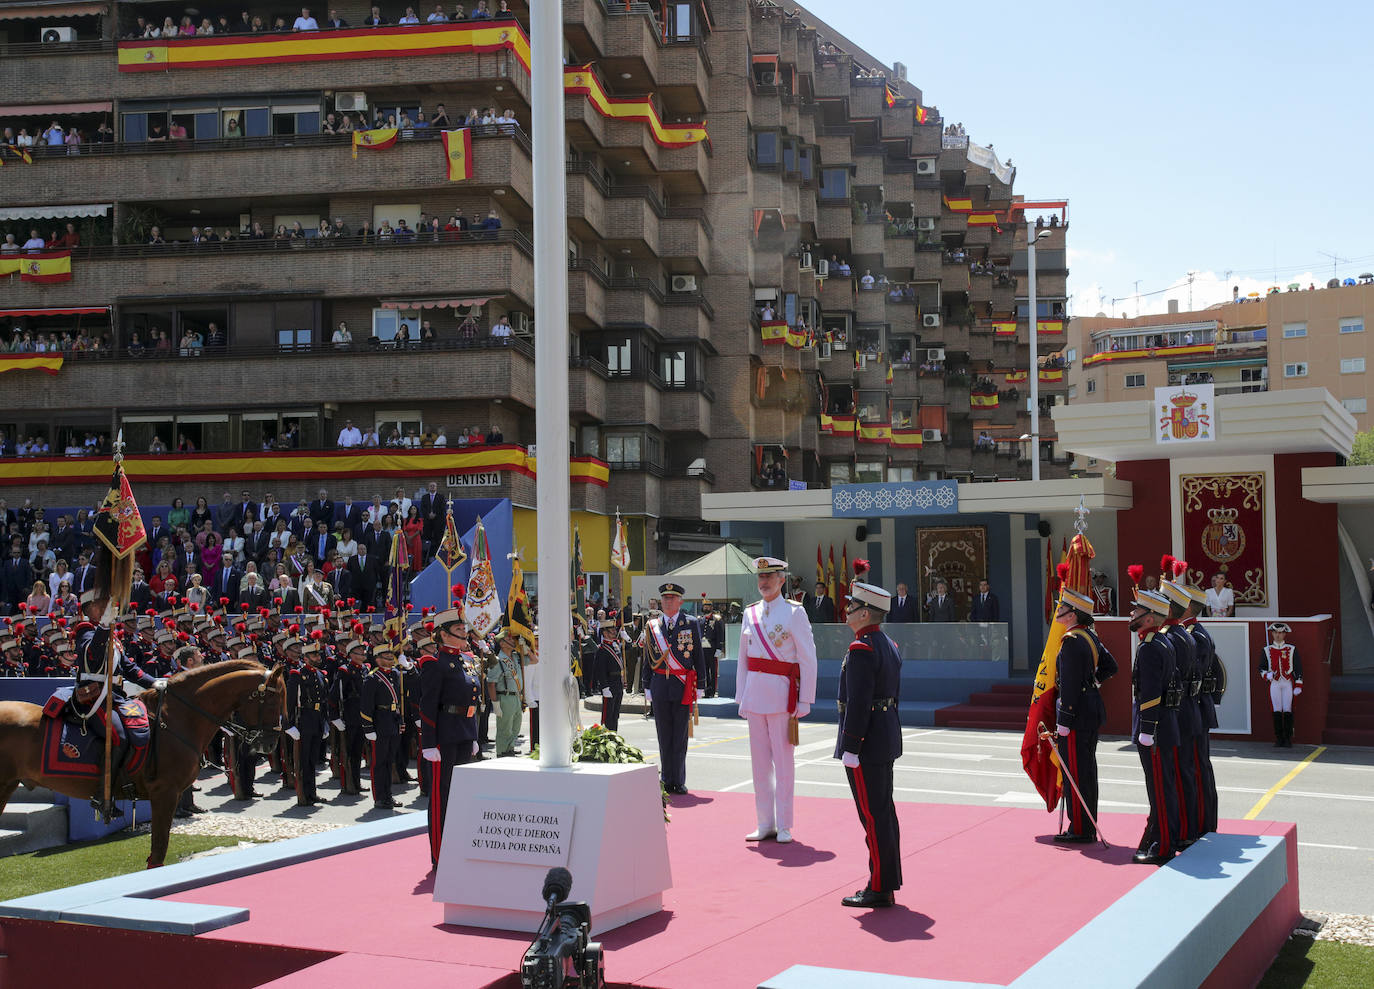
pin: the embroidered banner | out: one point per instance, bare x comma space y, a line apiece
1223, 532
956, 555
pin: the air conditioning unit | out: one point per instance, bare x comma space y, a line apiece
931, 436
822, 268
935, 354
521, 323
930, 319
925, 166
684, 283
768, 78
58, 35
350, 101
806, 259
925, 223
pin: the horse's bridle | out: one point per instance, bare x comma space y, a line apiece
249, 735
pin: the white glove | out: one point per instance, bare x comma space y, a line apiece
417, 722
803, 709
1267, 675
475, 747
339, 724
1146, 740
1064, 731
720, 654
160, 684
431, 754
371, 736
1297, 691
293, 733
850, 760
605, 691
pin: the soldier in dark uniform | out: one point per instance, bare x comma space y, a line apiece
713, 641
307, 701
421, 645
12, 662
1212, 689
1188, 680
450, 694
1154, 726
1083, 663
240, 761
382, 709
345, 707
678, 664
870, 739
609, 675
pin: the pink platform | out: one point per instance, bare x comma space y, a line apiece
738, 913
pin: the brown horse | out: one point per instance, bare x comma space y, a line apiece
239, 694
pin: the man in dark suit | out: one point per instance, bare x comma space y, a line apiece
85, 531
256, 542
226, 580
940, 605
819, 608
321, 543
377, 540
352, 515
140, 593
433, 507
290, 597
252, 593
63, 540
985, 607
157, 530
322, 509
83, 574
241, 516
903, 607
16, 580
365, 574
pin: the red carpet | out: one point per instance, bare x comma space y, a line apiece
737, 914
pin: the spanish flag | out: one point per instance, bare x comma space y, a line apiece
18, 152
580, 79
908, 437
922, 115
888, 96
376, 140
49, 363
1016, 377
50, 266
1049, 327
958, 205
875, 432
827, 423
1007, 329
843, 425
774, 331
983, 401
9, 264
889, 373
458, 153
796, 339
1052, 374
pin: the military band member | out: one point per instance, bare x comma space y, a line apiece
1211, 690
1189, 682
775, 681
1083, 663
1154, 726
381, 708
608, 675
870, 739
307, 699
678, 665
504, 684
1282, 668
450, 694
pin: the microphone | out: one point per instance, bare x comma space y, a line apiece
557, 885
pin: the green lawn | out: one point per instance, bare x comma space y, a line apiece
1308, 964
69, 865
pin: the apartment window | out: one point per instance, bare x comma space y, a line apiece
804, 156
1071, 355
868, 471
839, 472
623, 449
789, 156
618, 359
386, 323
1135, 381
1352, 365
1092, 385
672, 368
766, 148
1356, 406
834, 183
1292, 331
1354, 324
1295, 370
1073, 391
679, 22
294, 339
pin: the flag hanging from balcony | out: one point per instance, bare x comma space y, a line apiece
958, 205
1007, 329
888, 379
1049, 327
50, 363
875, 432
1016, 377
774, 331
580, 79
50, 266
1052, 374
843, 425
374, 140
922, 115
983, 401
18, 152
458, 153
907, 437
797, 339
888, 96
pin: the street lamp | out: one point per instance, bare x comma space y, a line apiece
1032, 235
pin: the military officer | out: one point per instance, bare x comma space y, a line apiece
381, 707
679, 664
1281, 666
870, 739
450, 694
1083, 663
306, 709
713, 641
609, 674
775, 681
1154, 725
1188, 679
345, 704
12, 664
504, 682
1211, 689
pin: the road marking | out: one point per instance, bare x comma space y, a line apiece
1014, 797
1269, 795
704, 745
1342, 848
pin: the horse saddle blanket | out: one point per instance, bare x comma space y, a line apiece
75, 747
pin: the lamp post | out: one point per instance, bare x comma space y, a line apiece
1032, 235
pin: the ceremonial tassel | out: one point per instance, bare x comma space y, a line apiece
793, 731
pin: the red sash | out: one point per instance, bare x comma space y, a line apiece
773, 665
672, 666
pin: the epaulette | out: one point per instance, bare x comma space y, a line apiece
1148, 636
860, 644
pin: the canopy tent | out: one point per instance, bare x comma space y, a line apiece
724, 574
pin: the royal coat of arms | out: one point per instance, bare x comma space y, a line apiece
1184, 415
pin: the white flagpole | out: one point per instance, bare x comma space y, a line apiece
551, 377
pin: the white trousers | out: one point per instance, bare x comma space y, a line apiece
775, 774
1280, 696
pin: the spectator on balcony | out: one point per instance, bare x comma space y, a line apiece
440, 438
439, 118
191, 343
507, 121
437, 16
257, 25
184, 444
157, 446
503, 10
481, 12
324, 231
245, 23
374, 18
409, 17
385, 233
404, 234
366, 234
394, 438
342, 339
456, 226
349, 436
222, 25
370, 440
427, 337
10, 246
187, 29
335, 21
206, 28
491, 224
867, 281
35, 241
70, 238
402, 339
472, 119
458, 13
73, 142
297, 233
501, 329
279, 24
305, 22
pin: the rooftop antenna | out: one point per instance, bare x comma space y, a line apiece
1334, 261
1137, 298
1191, 276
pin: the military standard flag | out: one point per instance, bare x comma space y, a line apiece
483, 604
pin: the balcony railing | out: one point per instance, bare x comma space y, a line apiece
270, 245
233, 351
92, 45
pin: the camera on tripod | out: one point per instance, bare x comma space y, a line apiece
562, 955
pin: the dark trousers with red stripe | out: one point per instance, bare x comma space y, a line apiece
1161, 827
440, 776
871, 785
1078, 752
382, 758
307, 755
1207, 783
1185, 779
241, 766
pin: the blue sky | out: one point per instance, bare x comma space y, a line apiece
1206, 137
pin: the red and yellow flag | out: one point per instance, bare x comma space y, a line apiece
962, 205
1016, 377
888, 96
1007, 329
374, 140
49, 363
907, 437
922, 115
18, 152
49, 266
774, 331
888, 379
831, 587
875, 432
844, 580
843, 425
1051, 374
796, 339
983, 401
458, 153
580, 79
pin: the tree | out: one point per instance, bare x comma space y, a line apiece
1362, 452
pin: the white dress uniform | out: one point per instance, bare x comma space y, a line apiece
764, 701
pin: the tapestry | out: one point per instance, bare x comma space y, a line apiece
959, 555
1223, 532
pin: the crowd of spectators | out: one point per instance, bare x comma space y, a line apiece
55, 139
351, 437
248, 23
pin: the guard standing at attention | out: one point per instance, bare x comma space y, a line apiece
1154, 726
1211, 690
1083, 663
382, 708
608, 674
450, 694
678, 663
306, 700
870, 739
346, 703
1281, 666
1189, 682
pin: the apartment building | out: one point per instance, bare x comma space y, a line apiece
785, 267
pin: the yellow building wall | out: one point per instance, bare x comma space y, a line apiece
596, 531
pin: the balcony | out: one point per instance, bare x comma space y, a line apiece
686, 322
687, 410
867, 99
837, 294
581, 497
586, 295
631, 223
1008, 410
869, 171
954, 336
681, 496
831, 79
928, 266
636, 489
899, 250
930, 388
633, 398
587, 379
835, 223
958, 459
685, 235
634, 301
246, 168
932, 456
492, 264
829, 445
902, 318
633, 141
869, 236
587, 194
870, 305
57, 73
954, 275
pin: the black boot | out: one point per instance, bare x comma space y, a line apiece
1278, 729
1287, 729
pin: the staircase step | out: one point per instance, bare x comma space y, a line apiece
981, 716
1026, 688
29, 827
1348, 736
999, 698
1359, 722
1343, 704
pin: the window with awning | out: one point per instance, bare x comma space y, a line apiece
23, 11
55, 211
56, 311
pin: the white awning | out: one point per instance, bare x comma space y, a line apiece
53, 212
19, 11
55, 109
